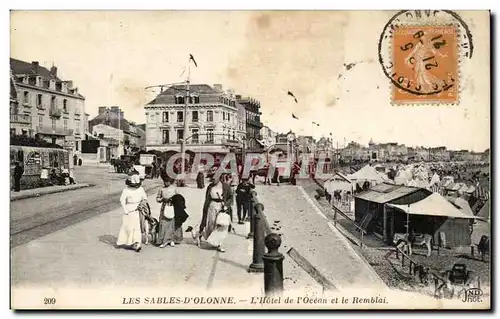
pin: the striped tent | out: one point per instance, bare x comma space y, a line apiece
437, 189
481, 193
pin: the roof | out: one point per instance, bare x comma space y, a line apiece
461, 203
201, 89
433, 205
368, 173
484, 212
384, 193
113, 121
21, 67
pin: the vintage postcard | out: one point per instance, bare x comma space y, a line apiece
250, 160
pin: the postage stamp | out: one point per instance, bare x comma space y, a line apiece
421, 53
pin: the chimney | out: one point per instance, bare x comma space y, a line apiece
238, 96
34, 66
102, 109
70, 84
121, 114
115, 109
218, 87
53, 70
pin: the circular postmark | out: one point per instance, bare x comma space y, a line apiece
420, 52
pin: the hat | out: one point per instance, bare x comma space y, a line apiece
134, 181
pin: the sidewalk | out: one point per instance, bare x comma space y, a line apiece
83, 255
37, 192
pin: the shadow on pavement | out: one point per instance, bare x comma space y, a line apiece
108, 239
233, 263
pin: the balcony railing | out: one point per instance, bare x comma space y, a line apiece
55, 112
230, 142
57, 130
20, 118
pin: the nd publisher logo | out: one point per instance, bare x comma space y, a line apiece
473, 295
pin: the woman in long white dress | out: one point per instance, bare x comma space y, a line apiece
130, 232
217, 193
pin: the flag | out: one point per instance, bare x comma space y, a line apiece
293, 115
191, 58
291, 94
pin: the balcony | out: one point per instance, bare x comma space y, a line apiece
55, 112
230, 142
20, 118
57, 130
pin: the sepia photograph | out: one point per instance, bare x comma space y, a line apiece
280, 160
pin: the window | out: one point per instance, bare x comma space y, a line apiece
195, 136
39, 100
40, 121
26, 98
179, 100
196, 99
53, 101
180, 116
65, 124
210, 135
210, 116
234, 137
228, 117
195, 116
12, 132
65, 105
53, 123
165, 117
166, 137
76, 146
180, 135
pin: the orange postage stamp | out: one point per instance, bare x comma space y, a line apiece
426, 64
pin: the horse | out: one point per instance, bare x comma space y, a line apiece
418, 239
484, 246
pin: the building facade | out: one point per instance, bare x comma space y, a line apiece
47, 106
268, 136
111, 123
253, 123
212, 120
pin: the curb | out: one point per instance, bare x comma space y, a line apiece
54, 191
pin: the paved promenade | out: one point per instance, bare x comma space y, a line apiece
83, 255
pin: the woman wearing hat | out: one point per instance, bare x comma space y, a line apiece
167, 231
130, 232
218, 193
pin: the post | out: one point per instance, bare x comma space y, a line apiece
184, 134
257, 264
273, 266
362, 232
251, 213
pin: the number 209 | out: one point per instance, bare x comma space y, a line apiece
49, 301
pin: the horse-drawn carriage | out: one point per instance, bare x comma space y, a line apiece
124, 164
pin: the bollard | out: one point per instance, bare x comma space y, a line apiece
273, 266
251, 213
257, 264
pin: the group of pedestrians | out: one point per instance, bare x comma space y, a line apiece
138, 227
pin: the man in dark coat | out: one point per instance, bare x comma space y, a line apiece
18, 173
243, 197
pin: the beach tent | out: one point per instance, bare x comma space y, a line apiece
433, 205
484, 212
367, 174
462, 204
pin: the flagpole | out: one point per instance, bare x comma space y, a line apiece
183, 142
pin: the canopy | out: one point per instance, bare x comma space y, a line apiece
462, 204
367, 173
432, 205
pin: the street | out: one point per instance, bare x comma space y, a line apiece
32, 218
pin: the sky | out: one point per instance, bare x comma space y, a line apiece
113, 55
